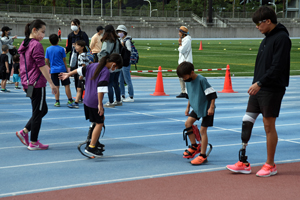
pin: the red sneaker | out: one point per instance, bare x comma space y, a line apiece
240, 167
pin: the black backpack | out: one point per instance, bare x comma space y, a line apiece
125, 53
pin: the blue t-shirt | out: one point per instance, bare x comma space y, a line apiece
55, 54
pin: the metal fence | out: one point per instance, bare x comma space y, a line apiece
88, 11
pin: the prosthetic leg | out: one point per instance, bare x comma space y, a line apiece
100, 146
193, 150
248, 122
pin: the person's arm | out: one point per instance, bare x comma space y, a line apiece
100, 103
66, 66
93, 42
187, 111
211, 109
47, 62
105, 50
6, 65
185, 46
128, 45
45, 73
69, 47
102, 87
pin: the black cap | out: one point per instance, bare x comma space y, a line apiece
99, 28
109, 28
5, 28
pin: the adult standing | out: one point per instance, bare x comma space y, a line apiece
271, 77
96, 43
125, 72
185, 54
75, 35
6, 39
59, 34
110, 44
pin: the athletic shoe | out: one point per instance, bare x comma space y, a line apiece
57, 104
5, 90
239, 167
70, 104
267, 170
198, 160
128, 99
117, 103
9, 82
94, 152
37, 146
122, 98
17, 88
181, 95
75, 105
109, 105
23, 137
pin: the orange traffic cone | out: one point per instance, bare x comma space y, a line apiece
83, 93
200, 47
159, 88
227, 83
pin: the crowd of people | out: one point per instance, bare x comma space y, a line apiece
105, 73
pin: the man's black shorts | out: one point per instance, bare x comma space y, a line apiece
55, 80
207, 121
265, 102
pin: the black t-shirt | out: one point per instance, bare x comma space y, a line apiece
16, 68
3, 59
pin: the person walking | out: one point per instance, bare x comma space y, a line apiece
96, 43
271, 77
185, 54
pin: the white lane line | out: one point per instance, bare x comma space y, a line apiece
130, 179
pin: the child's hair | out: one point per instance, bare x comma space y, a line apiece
16, 58
53, 39
76, 22
4, 47
263, 13
59, 28
34, 24
114, 57
185, 68
82, 44
109, 34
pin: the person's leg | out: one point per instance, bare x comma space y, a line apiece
272, 138
96, 134
110, 88
189, 122
3, 84
183, 92
116, 86
68, 91
121, 81
57, 94
127, 77
204, 139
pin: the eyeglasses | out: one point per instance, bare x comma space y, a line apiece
259, 22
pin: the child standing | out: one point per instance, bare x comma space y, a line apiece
16, 76
202, 99
83, 61
97, 78
4, 68
34, 76
56, 59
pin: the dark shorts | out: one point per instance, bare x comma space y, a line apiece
55, 80
92, 115
81, 84
265, 102
207, 121
3, 76
59, 36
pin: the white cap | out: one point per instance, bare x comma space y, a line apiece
122, 28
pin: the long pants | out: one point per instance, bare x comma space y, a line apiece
39, 110
182, 85
114, 83
125, 75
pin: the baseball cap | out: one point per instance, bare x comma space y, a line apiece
5, 28
99, 28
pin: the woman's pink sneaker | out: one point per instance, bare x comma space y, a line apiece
240, 167
23, 137
37, 146
267, 170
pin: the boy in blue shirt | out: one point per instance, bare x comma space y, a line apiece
202, 99
56, 55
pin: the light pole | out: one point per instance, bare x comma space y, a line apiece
81, 7
92, 7
150, 6
101, 7
272, 3
110, 8
153, 11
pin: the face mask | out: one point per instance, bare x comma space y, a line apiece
110, 70
121, 34
74, 28
9, 33
188, 80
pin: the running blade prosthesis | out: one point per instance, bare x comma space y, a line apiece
192, 151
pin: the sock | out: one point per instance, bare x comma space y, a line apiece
123, 96
131, 97
203, 155
71, 99
76, 102
57, 101
91, 146
195, 145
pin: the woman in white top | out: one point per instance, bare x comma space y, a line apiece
185, 54
125, 73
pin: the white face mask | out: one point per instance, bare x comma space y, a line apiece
74, 28
110, 70
121, 34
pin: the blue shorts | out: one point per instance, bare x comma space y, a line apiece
16, 78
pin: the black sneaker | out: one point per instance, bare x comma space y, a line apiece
99, 146
181, 95
94, 152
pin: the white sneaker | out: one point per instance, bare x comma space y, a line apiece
9, 82
128, 99
117, 103
109, 105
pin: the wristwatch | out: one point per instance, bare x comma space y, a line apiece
259, 83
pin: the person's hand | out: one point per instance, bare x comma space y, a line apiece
81, 78
100, 110
15, 37
253, 89
179, 40
123, 44
65, 50
210, 111
187, 112
63, 76
53, 88
7, 70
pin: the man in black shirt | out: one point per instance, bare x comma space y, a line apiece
271, 77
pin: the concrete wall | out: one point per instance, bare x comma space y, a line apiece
161, 32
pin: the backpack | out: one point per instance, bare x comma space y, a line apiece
125, 54
134, 58
89, 54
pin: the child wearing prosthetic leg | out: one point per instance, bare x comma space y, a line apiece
96, 80
202, 99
